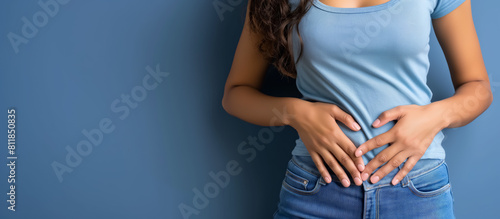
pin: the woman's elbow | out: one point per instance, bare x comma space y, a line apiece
226, 103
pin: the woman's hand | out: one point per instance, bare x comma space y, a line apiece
410, 137
316, 125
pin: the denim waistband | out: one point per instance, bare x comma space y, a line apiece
421, 167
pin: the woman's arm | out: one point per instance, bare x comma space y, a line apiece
458, 39
417, 126
242, 96
314, 122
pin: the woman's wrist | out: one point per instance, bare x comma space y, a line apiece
442, 114
294, 108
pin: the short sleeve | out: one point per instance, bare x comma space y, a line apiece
443, 7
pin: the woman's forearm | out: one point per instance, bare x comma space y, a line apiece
251, 105
469, 101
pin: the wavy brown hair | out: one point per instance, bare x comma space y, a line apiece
274, 20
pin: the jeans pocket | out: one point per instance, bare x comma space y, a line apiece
432, 183
301, 181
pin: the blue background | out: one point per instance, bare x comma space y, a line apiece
65, 78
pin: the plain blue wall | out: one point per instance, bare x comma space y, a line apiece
66, 77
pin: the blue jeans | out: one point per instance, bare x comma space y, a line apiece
424, 193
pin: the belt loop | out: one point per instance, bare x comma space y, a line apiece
321, 181
405, 180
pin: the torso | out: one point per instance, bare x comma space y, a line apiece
366, 56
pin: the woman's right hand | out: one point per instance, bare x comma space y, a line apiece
316, 124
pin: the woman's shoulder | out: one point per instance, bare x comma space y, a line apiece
443, 7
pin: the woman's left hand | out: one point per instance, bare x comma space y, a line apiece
410, 137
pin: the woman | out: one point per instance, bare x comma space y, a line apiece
364, 64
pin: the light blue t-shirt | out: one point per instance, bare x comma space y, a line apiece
368, 60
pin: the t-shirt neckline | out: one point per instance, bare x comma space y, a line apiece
378, 7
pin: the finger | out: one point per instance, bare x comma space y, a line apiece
393, 114
349, 148
348, 163
345, 118
321, 167
381, 158
407, 167
375, 142
392, 164
336, 168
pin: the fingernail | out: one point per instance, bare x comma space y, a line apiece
345, 182
395, 181
357, 180
356, 126
328, 179
364, 176
376, 122
358, 153
361, 167
375, 179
